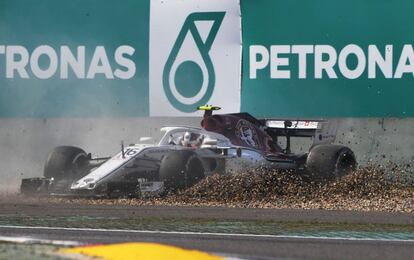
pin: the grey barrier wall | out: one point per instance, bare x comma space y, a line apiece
25, 143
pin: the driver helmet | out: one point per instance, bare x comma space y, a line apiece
186, 139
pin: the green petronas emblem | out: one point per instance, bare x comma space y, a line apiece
190, 87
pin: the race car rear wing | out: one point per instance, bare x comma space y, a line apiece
321, 131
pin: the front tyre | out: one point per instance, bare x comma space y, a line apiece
328, 161
66, 162
180, 169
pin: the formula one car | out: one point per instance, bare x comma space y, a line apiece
226, 144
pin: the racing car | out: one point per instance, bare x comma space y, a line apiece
224, 144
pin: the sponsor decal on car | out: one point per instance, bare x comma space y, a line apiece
247, 133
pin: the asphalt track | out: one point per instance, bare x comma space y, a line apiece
250, 246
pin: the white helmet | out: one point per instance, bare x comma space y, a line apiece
186, 138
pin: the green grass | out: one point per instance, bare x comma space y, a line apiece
204, 225
28, 252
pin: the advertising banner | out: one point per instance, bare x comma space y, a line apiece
94, 58
326, 58
195, 56
81, 58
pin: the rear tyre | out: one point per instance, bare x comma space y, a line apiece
328, 161
180, 169
66, 162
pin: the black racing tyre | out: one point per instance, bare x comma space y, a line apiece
328, 161
180, 169
65, 162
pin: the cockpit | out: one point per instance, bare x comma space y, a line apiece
192, 137
186, 139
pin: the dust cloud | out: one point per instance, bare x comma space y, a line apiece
26, 143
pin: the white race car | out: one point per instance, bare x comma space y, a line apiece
226, 144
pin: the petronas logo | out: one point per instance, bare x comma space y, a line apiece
189, 76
